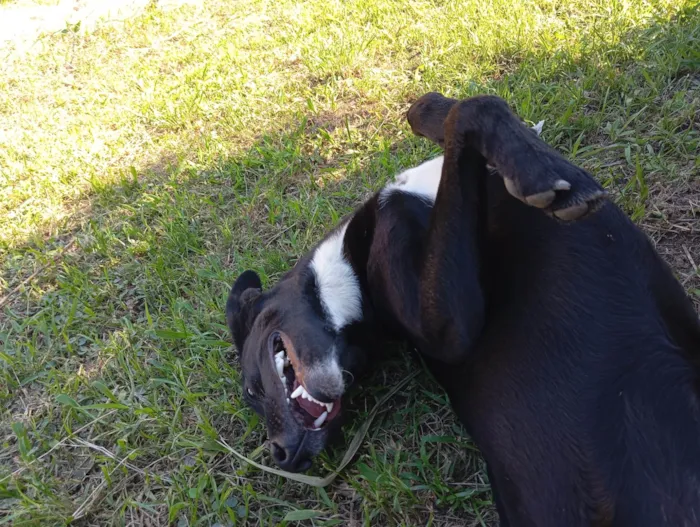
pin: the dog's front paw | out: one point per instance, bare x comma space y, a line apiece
556, 186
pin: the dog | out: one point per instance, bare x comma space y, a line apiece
302, 342
566, 346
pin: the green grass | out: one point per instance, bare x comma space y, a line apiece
143, 166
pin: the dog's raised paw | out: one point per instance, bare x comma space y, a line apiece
558, 187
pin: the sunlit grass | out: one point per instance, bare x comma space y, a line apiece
143, 166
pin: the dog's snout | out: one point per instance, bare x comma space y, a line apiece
324, 381
328, 392
286, 458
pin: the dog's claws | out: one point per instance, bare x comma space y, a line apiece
563, 199
562, 184
540, 200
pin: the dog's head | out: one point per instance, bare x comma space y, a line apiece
297, 350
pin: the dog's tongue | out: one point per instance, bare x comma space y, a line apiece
310, 407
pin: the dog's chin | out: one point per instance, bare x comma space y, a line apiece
307, 444
316, 441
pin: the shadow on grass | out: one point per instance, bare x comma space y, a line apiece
123, 332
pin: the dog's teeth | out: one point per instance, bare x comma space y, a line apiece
279, 355
321, 419
288, 400
301, 391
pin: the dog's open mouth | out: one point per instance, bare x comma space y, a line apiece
312, 413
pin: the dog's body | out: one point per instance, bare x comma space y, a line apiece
569, 351
578, 390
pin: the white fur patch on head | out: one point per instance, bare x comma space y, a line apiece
422, 181
338, 285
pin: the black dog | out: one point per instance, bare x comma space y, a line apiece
572, 350
319, 320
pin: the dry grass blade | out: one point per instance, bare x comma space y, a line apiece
102, 450
57, 445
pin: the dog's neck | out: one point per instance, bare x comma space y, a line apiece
339, 262
337, 282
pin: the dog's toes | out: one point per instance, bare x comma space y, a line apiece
572, 213
569, 211
561, 189
541, 200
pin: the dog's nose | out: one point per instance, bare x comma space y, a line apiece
285, 457
280, 454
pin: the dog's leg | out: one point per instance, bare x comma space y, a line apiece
475, 132
450, 292
532, 171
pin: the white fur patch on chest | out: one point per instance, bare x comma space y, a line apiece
422, 181
338, 285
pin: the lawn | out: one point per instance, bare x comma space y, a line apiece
145, 164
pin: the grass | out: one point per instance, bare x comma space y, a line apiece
144, 165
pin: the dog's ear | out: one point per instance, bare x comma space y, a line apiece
242, 306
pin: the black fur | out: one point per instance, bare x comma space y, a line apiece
581, 389
568, 350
